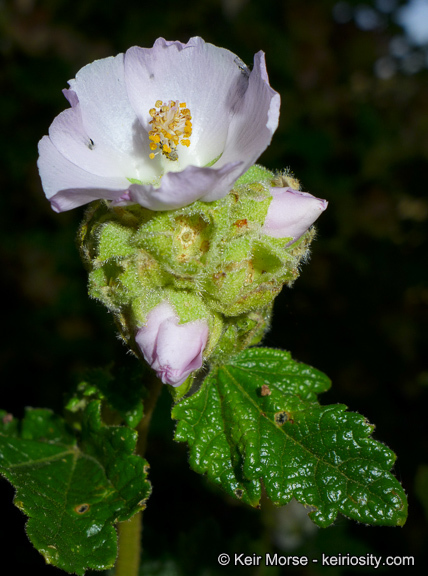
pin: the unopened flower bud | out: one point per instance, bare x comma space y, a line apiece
291, 213
172, 349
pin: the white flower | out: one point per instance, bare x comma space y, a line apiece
161, 127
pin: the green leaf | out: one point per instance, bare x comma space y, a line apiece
123, 403
257, 420
73, 493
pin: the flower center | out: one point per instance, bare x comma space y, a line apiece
171, 126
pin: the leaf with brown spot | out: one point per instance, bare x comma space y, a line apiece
73, 489
323, 456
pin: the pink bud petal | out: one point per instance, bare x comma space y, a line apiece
291, 213
173, 350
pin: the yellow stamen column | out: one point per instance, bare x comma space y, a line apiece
171, 125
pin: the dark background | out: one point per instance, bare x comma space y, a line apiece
354, 129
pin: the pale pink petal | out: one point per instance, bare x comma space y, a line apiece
178, 189
173, 350
179, 350
70, 138
202, 75
108, 117
147, 336
255, 118
71, 96
68, 186
107, 114
291, 213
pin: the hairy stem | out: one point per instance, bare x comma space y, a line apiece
128, 560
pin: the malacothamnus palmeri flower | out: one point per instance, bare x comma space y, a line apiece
161, 127
160, 137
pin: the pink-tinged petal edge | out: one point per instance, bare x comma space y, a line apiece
68, 186
291, 213
256, 119
178, 189
172, 349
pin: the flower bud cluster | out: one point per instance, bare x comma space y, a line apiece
213, 268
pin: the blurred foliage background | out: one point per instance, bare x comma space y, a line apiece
354, 129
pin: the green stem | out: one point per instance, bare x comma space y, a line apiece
128, 560
154, 387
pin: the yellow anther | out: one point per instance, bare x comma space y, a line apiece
151, 155
170, 126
